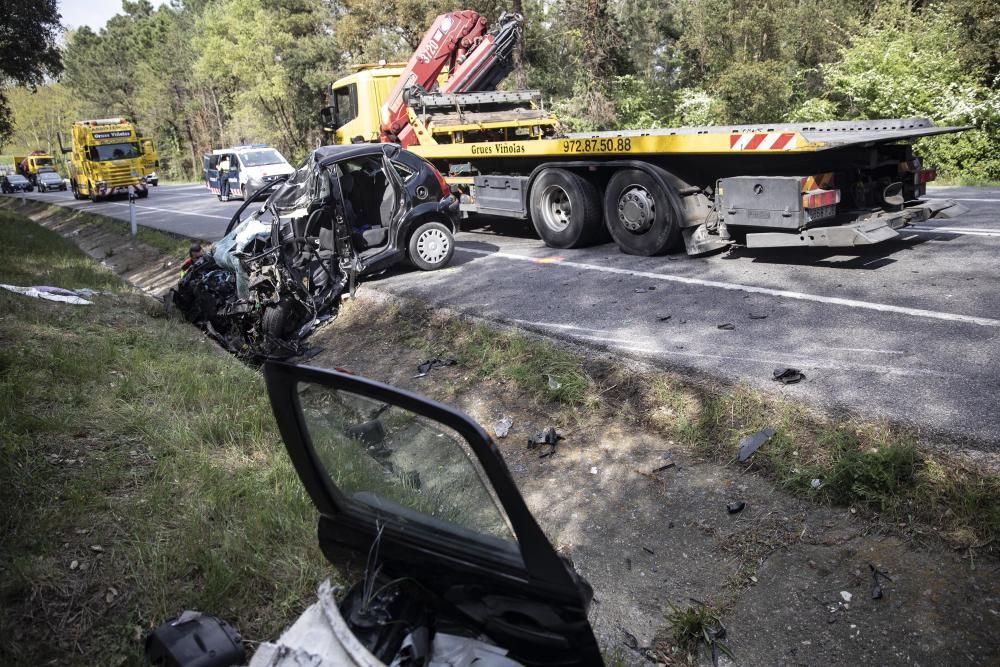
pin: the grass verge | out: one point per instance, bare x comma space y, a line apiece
140, 472
171, 244
877, 467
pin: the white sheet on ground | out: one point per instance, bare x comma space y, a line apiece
49, 293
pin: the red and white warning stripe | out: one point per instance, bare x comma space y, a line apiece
763, 141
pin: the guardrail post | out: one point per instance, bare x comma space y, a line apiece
131, 210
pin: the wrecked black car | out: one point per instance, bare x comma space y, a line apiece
347, 212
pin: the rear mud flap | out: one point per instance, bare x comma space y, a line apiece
867, 232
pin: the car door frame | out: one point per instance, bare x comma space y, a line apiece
541, 565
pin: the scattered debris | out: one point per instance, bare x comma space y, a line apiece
761, 316
549, 437
643, 290
501, 427
751, 443
649, 551
735, 507
663, 318
96, 548
788, 375
876, 584
665, 466
628, 564
593, 470
111, 594
816, 483
49, 294
554, 384
429, 365
74, 564
845, 596
728, 326
630, 640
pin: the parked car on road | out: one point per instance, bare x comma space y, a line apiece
15, 183
347, 212
50, 180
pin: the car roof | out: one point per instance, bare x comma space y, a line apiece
328, 154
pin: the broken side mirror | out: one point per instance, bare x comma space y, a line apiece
422, 489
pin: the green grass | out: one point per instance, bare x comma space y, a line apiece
170, 244
692, 628
128, 431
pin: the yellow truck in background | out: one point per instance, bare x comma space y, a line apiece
150, 162
106, 158
29, 165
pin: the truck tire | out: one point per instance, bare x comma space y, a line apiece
76, 194
566, 209
431, 246
641, 213
92, 192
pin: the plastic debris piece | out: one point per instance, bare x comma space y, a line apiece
816, 483
630, 640
728, 326
549, 437
876, 583
665, 466
643, 290
735, 507
593, 470
758, 316
501, 427
649, 551
845, 596
751, 443
429, 365
788, 375
554, 384
663, 318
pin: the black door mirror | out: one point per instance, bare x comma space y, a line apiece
425, 488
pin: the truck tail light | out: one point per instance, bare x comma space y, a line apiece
925, 176
820, 198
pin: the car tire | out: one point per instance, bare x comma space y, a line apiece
566, 209
41, 188
276, 320
642, 212
431, 246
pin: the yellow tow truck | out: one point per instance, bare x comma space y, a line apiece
106, 158
831, 184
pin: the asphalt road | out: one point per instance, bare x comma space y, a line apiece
907, 330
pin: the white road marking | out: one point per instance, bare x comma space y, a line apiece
865, 349
995, 201
788, 294
167, 210
952, 230
630, 346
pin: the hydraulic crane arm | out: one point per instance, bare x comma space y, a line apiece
477, 61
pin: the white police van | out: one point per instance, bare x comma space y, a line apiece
251, 167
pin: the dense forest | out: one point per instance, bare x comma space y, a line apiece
199, 74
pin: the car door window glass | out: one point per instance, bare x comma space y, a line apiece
384, 456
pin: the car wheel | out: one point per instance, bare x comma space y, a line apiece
431, 246
566, 209
41, 188
642, 213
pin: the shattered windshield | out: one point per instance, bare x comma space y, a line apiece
297, 190
400, 463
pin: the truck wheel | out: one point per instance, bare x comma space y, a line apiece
142, 194
76, 194
431, 246
566, 209
92, 192
641, 214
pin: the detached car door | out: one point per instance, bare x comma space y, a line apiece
420, 494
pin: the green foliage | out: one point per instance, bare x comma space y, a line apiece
204, 73
28, 50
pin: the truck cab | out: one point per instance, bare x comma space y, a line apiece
353, 114
105, 159
251, 167
29, 165
150, 162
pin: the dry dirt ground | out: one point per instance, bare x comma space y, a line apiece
794, 576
